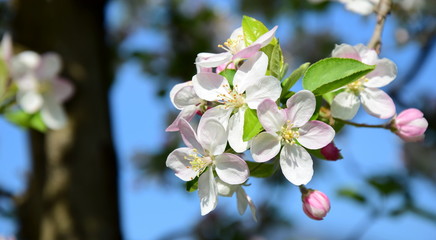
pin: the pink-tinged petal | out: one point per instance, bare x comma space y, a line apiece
236, 131
202, 57
6, 47
247, 52
384, 73
345, 51
231, 168
265, 146
300, 107
63, 89
210, 86
262, 88
315, 134
368, 56
251, 69
212, 136
241, 198
30, 101
49, 66
271, 118
208, 192
220, 113
377, 103
176, 89
408, 115
296, 164
189, 137
210, 60
186, 97
414, 128
225, 66
53, 114
180, 165
266, 38
187, 113
345, 105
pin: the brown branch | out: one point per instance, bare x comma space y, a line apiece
383, 9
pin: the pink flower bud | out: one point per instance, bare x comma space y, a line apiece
410, 125
316, 204
331, 152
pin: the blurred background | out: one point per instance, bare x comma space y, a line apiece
104, 175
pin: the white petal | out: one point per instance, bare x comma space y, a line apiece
209, 60
265, 146
187, 113
6, 47
189, 137
300, 107
345, 105
181, 166
271, 118
177, 88
212, 136
53, 114
296, 164
241, 198
225, 189
236, 131
251, 69
30, 101
266, 38
384, 73
209, 86
267, 87
208, 192
362, 7
345, 51
315, 134
231, 168
49, 66
186, 97
220, 113
246, 52
62, 89
377, 103
369, 56
24, 64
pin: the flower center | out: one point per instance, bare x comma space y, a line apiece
357, 86
290, 133
198, 162
232, 99
233, 45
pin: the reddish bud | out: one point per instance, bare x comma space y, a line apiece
331, 152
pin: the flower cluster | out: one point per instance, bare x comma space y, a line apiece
250, 119
35, 86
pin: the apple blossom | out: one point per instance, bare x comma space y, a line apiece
410, 125
235, 49
291, 128
362, 7
366, 89
203, 155
243, 200
39, 86
316, 204
250, 88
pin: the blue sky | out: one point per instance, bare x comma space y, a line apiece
150, 210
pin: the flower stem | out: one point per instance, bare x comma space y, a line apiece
385, 126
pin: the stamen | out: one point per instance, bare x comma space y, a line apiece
290, 133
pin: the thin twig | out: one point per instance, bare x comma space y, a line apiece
386, 126
383, 9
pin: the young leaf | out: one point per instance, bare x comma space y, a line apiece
332, 73
192, 185
352, 194
293, 78
228, 74
276, 61
27, 120
252, 125
253, 29
261, 170
3, 77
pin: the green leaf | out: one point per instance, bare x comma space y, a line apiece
328, 97
386, 185
3, 77
332, 73
261, 170
276, 61
228, 74
252, 125
352, 194
318, 100
293, 78
26, 120
253, 29
192, 185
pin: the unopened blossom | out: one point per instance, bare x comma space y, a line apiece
235, 49
39, 86
291, 128
316, 204
243, 200
184, 98
203, 156
331, 152
362, 7
250, 88
410, 125
366, 89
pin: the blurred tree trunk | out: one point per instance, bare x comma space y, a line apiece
72, 190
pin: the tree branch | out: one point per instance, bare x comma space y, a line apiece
383, 9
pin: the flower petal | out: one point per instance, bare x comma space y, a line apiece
271, 118
225, 189
212, 136
180, 165
62, 89
345, 51
49, 66
207, 191
296, 164
220, 113
6, 47
267, 87
30, 101
189, 137
186, 97
251, 69
210, 86
24, 63
52, 113
209, 60
176, 89
265, 146
300, 107
377, 103
231, 168
345, 105
384, 73
241, 198
246, 52
315, 134
266, 38
187, 113
236, 131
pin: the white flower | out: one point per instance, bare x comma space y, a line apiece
40, 88
291, 128
235, 49
242, 198
362, 7
250, 88
376, 102
6, 48
203, 155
